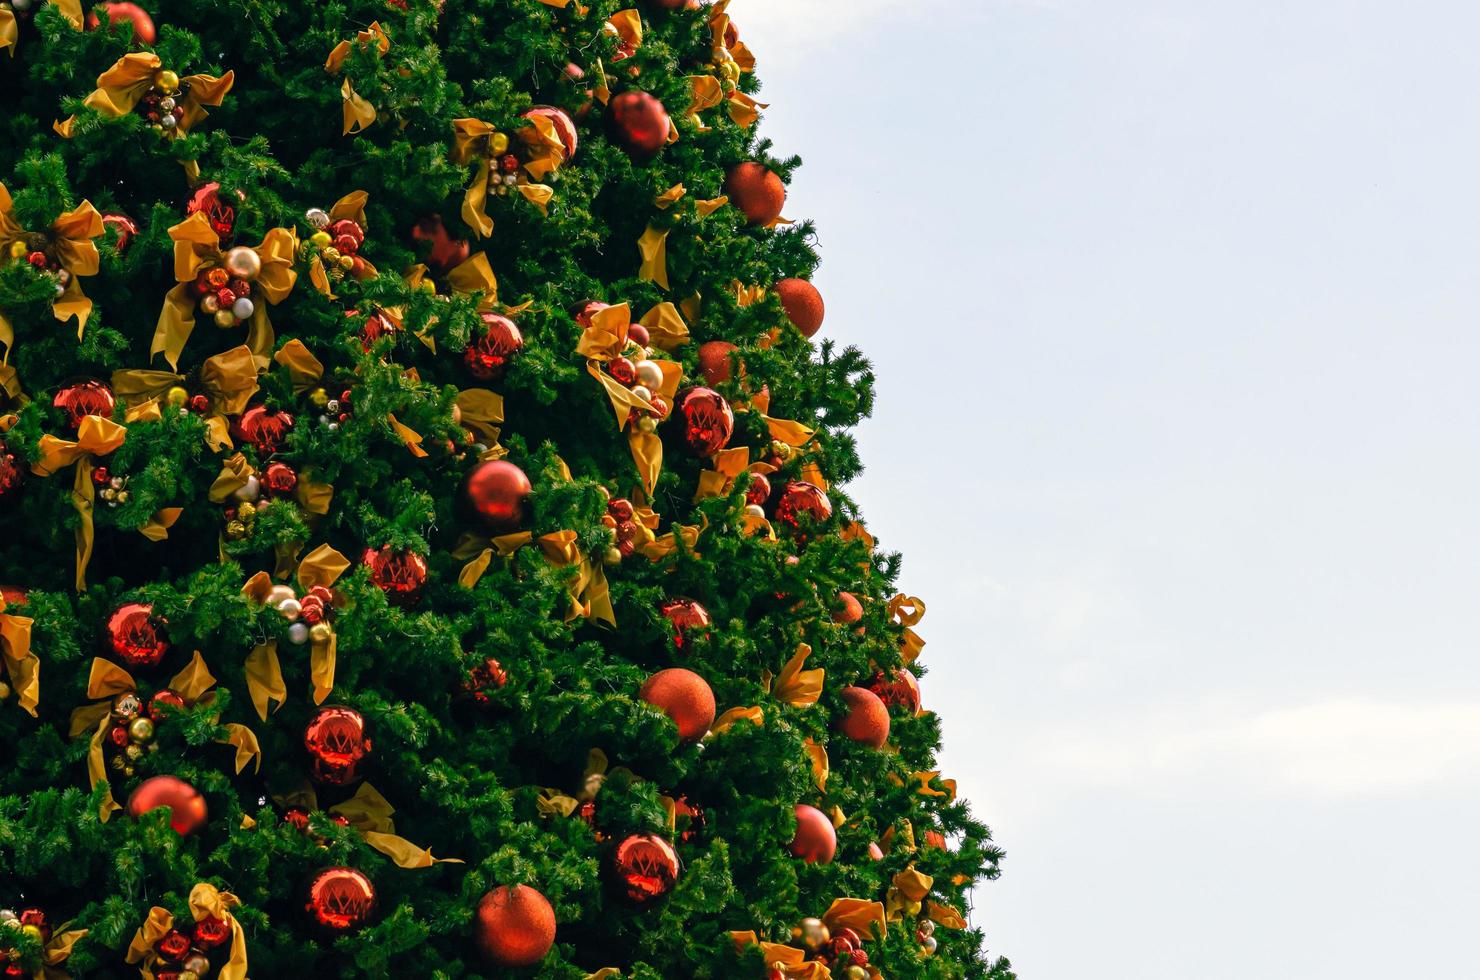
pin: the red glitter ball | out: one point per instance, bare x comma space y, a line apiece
279, 478
220, 213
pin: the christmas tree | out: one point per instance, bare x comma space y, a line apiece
421, 524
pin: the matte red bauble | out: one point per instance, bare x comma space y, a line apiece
687, 617
13, 595
816, 841
496, 493
337, 744
401, 575
118, 12
265, 429
78, 399
444, 251
706, 420
639, 123
802, 303
489, 353
645, 867
867, 720
220, 212
756, 191
339, 900
899, 689
12, 473
802, 501
565, 127
515, 926
136, 636
683, 696
187, 806
847, 609
714, 361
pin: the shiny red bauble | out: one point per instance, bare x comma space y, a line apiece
78, 399
756, 191
705, 420
866, 720
264, 429
816, 840
163, 703
338, 901
279, 479
694, 814
12, 473
496, 495
688, 618
443, 251
759, 490
900, 689
187, 806
220, 212
135, 635
802, 502
639, 124
13, 595
683, 696
124, 229
211, 932
565, 127
337, 744
490, 351
802, 303
644, 868
515, 926
119, 12
714, 360
347, 235
173, 945
399, 573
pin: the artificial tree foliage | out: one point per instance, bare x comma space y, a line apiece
466, 782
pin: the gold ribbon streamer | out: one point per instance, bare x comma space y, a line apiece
370, 813
96, 436
71, 235
358, 113
795, 686
904, 896
21, 664
863, 917
589, 593
652, 245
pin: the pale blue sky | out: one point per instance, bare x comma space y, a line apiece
1174, 307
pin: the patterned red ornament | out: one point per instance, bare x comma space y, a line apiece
444, 251
899, 690
802, 501
173, 945
211, 932
639, 124
689, 619
78, 399
136, 636
815, 840
756, 191
208, 200
266, 429
515, 926
495, 494
645, 867
759, 490
682, 809
683, 696
163, 703
337, 744
187, 806
120, 12
483, 680
623, 371
279, 479
489, 354
401, 575
565, 127
12, 473
340, 900
706, 420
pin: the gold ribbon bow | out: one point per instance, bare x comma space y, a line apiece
70, 237
358, 113
604, 340
122, 86
96, 436
795, 686
480, 411
352, 207
472, 275
543, 154
10, 34
198, 248
589, 595
205, 901
907, 611
322, 566
369, 813
21, 664
730, 58
229, 379
792, 962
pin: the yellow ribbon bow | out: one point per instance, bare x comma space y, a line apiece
795, 686
790, 961
358, 113
369, 813
10, 32
473, 140
472, 276
322, 566
589, 596
198, 249
22, 665
69, 241
352, 207
229, 379
122, 86
205, 902
96, 436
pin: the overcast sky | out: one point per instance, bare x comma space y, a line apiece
1174, 308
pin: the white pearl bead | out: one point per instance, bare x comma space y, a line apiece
279, 594
298, 634
116, 482
291, 609
317, 217
755, 510
243, 308
641, 391
650, 374
249, 491
21, 4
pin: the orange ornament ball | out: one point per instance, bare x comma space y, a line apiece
802, 303
756, 190
187, 807
867, 720
714, 361
685, 697
847, 609
515, 926
816, 841
132, 12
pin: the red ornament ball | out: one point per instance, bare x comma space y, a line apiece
644, 867
401, 575
901, 689
756, 191
124, 229
173, 945
211, 932
687, 617
682, 808
714, 361
867, 720
622, 370
279, 479
187, 806
443, 251
489, 353
119, 12
802, 501
565, 127
584, 311
265, 429
759, 490
13, 595
706, 420
515, 926
496, 493
340, 900
347, 234
136, 636
802, 303
816, 841
337, 744
163, 702
220, 213
847, 609
12, 473
78, 399
683, 696
639, 334
639, 124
